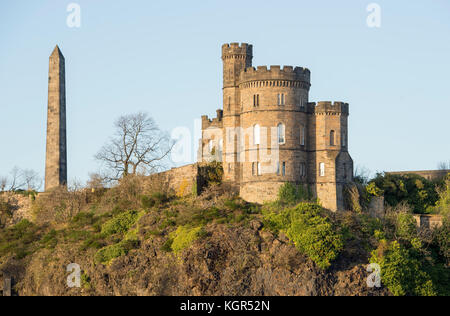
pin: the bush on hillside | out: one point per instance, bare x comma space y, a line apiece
312, 233
413, 189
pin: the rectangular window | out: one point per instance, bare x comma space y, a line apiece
280, 99
322, 169
344, 139
302, 135
284, 169
259, 168
278, 168
256, 100
253, 168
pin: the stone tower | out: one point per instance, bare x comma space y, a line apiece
271, 134
56, 155
235, 59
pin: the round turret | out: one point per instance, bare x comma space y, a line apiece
274, 121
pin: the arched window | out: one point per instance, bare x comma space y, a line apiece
302, 135
256, 134
332, 138
258, 166
280, 133
322, 169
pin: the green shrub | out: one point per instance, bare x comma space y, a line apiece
402, 270
312, 233
415, 190
50, 240
120, 223
19, 239
290, 194
443, 204
156, 199
82, 219
108, 253
184, 236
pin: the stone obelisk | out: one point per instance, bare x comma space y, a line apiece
56, 156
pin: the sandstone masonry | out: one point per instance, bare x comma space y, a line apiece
269, 133
56, 153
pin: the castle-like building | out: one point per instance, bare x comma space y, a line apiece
269, 133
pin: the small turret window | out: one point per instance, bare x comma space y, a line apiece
322, 169
280, 130
332, 142
302, 135
281, 99
302, 169
256, 100
256, 135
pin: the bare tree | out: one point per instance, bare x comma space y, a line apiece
3, 183
31, 179
444, 165
138, 145
16, 182
361, 175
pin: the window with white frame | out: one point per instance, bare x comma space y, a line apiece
256, 134
322, 169
280, 133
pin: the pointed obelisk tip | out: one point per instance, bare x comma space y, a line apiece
57, 52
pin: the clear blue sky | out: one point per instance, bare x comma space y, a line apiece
163, 57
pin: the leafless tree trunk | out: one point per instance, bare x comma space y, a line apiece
138, 146
444, 165
3, 183
16, 179
32, 179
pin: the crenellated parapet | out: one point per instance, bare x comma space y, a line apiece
275, 76
216, 122
236, 50
328, 108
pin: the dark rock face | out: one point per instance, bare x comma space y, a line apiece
234, 260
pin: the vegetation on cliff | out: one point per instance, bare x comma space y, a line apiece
135, 238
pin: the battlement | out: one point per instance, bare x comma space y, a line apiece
233, 49
275, 72
215, 122
328, 107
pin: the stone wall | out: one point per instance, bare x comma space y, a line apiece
182, 181
427, 174
21, 207
428, 221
